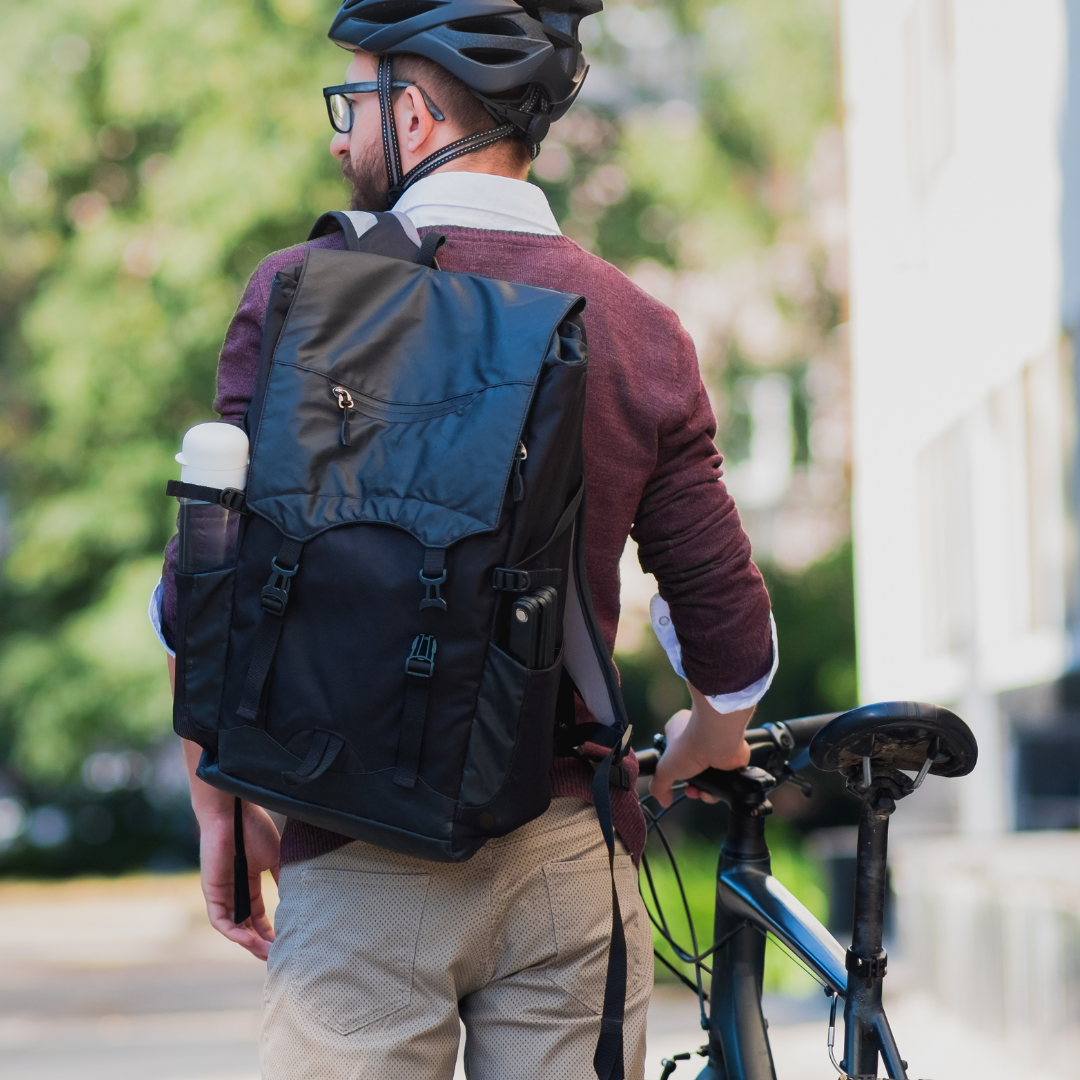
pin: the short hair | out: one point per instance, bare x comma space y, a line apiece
457, 103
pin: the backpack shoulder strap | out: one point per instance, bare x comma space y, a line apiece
391, 234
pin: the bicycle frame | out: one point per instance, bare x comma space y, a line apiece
750, 902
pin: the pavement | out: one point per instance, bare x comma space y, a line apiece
123, 979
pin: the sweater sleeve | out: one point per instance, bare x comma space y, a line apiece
690, 537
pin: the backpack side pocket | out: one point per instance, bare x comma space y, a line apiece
506, 778
203, 616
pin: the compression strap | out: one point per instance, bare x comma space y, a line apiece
479, 140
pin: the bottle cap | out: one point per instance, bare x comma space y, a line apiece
214, 455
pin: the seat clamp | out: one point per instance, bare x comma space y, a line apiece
866, 967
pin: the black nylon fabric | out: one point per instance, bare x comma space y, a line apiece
353, 670
377, 327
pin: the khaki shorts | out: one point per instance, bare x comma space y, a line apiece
380, 957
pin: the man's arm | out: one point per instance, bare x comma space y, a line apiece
214, 812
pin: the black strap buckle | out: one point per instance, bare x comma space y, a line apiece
232, 499
275, 594
421, 660
506, 580
433, 597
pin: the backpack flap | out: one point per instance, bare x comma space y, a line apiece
369, 326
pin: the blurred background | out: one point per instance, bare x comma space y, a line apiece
868, 218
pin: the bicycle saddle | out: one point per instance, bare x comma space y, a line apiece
896, 735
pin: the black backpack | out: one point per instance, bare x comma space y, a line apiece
409, 614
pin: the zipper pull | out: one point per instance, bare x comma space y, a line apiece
344, 403
519, 482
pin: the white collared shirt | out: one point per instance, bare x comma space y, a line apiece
478, 201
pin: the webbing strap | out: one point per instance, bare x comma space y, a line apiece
425, 253
392, 153
433, 577
522, 581
275, 597
230, 498
321, 753
608, 1059
241, 886
418, 671
566, 519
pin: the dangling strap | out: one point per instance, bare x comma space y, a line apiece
241, 887
608, 1059
418, 671
391, 151
275, 598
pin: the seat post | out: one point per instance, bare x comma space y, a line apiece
866, 959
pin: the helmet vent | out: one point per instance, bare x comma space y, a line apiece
393, 11
493, 56
495, 27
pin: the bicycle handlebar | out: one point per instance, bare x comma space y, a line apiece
773, 744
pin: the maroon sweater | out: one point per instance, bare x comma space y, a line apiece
651, 466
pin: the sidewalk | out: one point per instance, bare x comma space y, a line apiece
124, 980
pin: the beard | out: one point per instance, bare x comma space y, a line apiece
368, 180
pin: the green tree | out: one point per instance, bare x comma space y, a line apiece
154, 153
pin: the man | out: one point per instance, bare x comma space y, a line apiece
379, 956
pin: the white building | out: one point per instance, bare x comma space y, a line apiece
963, 137
960, 163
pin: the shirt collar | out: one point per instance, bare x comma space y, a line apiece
471, 200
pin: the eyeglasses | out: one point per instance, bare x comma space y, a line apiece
339, 106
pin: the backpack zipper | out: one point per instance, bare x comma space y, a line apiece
344, 403
519, 482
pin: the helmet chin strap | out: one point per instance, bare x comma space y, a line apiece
468, 145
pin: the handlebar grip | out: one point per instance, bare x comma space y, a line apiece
647, 760
802, 729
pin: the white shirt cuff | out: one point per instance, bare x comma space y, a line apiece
154, 611
660, 616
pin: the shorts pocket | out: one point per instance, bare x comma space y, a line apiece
579, 892
352, 952
203, 616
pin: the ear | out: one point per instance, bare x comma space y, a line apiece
415, 124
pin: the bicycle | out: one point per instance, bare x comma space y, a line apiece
873, 747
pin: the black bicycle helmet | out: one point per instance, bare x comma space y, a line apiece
493, 46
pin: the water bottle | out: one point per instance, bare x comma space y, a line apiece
214, 455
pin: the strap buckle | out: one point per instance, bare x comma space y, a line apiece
232, 499
275, 594
505, 580
433, 596
421, 660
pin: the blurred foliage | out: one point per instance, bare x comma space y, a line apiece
152, 154
815, 619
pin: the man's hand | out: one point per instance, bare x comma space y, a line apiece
262, 844
216, 852
697, 739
